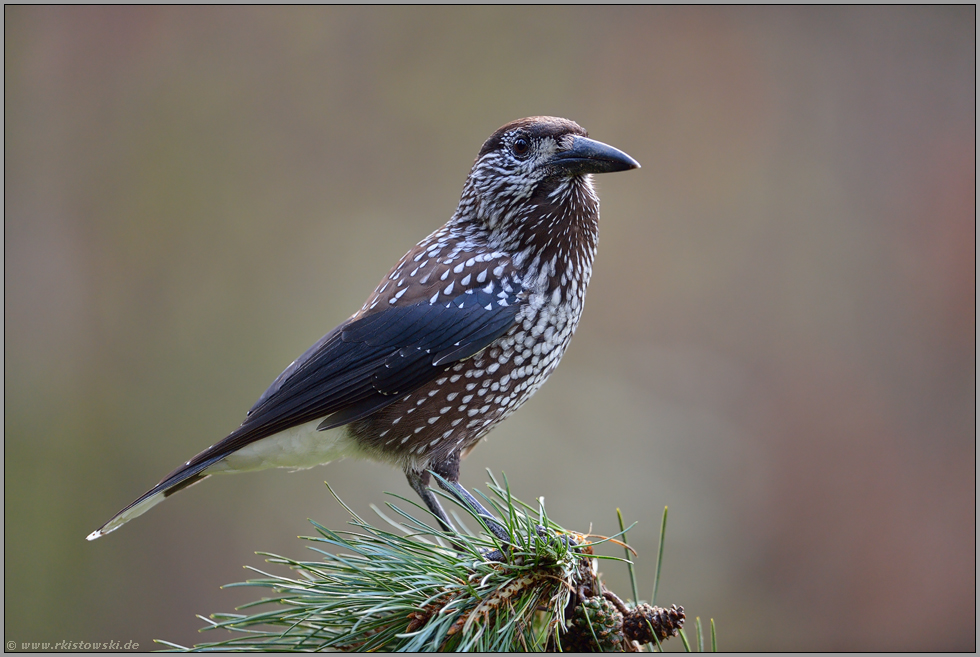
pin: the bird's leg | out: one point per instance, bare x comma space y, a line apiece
419, 481
496, 528
448, 479
455, 489
448, 471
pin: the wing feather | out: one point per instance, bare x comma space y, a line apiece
358, 368
367, 363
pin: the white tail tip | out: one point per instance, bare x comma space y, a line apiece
126, 515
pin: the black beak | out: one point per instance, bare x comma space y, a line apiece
591, 156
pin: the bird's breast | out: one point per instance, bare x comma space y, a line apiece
461, 405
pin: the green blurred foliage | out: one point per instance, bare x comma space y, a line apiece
779, 341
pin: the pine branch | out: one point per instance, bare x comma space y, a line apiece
416, 588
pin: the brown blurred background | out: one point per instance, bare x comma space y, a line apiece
779, 341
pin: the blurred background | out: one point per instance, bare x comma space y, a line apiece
778, 344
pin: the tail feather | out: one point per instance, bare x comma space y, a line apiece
175, 482
301, 446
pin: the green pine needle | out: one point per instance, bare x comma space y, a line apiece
413, 587
660, 558
629, 560
687, 644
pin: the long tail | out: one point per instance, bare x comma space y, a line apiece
177, 480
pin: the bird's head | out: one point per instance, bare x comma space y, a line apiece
534, 162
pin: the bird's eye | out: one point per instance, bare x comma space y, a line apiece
521, 147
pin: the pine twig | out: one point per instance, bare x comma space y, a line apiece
399, 589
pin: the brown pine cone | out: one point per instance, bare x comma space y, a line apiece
665, 623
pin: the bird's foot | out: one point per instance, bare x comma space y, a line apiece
494, 555
496, 527
506, 548
555, 539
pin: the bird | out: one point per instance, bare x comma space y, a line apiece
466, 326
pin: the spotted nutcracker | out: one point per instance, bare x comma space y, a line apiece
461, 332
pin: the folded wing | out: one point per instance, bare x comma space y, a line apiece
355, 370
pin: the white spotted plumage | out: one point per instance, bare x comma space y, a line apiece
506, 276
543, 248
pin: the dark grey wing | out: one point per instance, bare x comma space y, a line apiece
434, 337
358, 368
317, 347
365, 364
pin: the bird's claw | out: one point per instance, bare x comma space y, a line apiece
554, 539
493, 554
